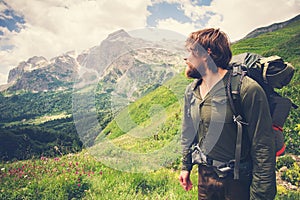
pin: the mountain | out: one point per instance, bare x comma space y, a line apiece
38, 74
271, 28
62, 72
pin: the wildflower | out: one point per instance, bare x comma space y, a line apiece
100, 172
78, 184
44, 158
56, 159
3, 169
70, 155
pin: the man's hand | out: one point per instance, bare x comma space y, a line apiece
185, 180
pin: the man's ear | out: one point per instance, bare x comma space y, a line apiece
206, 57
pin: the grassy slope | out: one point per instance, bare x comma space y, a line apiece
157, 113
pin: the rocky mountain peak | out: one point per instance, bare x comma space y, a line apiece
36, 59
117, 35
34, 63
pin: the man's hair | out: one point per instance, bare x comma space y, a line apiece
215, 40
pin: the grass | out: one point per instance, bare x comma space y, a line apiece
274, 42
81, 176
141, 113
39, 120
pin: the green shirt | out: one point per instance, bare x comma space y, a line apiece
209, 122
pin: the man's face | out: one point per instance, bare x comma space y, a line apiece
195, 65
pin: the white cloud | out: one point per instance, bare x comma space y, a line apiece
3, 76
239, 17
171, 24
56, 26
236, 17
193, 11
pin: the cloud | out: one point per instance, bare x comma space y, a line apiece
197, 15
3, 76
236, 17
164, 10
239, 17
172, 24
53, 27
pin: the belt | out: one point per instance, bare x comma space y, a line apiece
200, 158
221, 166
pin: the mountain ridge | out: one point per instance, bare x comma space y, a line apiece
271, 28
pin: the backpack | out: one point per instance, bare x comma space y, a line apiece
270, 72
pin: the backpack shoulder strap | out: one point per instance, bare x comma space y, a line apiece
233, 89
233, 92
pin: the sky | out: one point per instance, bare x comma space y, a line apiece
50, 28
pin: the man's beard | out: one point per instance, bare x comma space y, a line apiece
192, 72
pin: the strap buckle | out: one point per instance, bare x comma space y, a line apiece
227, 166
239, 119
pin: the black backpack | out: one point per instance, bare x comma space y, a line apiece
270, 72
